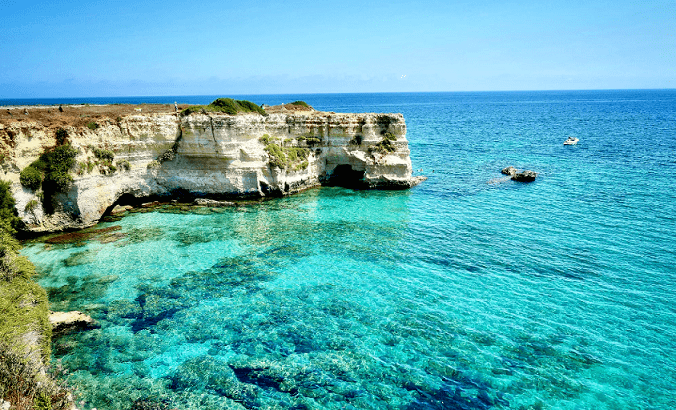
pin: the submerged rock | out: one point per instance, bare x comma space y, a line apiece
66, 322
524, 176
212, 202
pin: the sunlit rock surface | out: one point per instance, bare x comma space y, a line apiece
209, 154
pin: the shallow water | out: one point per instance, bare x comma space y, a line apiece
459, 293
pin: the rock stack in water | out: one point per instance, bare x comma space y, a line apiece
523, 176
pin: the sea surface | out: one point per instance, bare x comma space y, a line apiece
468, 291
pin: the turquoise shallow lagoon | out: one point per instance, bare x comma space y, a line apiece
462, 293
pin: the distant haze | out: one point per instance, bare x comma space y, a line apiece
87, 49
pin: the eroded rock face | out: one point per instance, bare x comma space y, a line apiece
208, 154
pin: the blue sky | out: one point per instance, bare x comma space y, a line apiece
112, 48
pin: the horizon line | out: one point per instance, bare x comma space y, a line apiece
338, 93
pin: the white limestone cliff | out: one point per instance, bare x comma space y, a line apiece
208, 154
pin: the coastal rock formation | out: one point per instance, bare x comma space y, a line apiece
205, 154
66, 322
212, 202
524, 176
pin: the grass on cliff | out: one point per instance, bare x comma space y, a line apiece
282, 157
25, 331
385, 146
227, 106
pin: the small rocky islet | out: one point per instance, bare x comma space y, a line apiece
519, 176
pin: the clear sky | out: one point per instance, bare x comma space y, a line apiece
74, 48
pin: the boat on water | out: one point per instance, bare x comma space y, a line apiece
571, 141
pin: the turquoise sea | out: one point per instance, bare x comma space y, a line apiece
462, 293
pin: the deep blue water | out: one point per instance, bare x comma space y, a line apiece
462, 293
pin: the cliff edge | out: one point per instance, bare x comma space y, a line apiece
202, 153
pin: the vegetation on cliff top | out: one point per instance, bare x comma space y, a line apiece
227, 106
25, 331
301, 103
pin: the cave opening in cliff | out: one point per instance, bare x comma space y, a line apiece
347, 177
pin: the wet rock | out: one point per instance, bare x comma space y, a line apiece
66, 322
524, 176
212, 202
510, 170
118, 209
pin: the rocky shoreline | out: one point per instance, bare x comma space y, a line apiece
68, 167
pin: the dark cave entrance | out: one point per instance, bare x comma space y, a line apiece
347, 177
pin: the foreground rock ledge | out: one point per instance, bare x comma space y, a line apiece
226, 156
67, 322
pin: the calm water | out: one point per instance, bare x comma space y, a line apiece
457, 294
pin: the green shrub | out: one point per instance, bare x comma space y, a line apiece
104, 154
277, 156
302, 165
42, 401
106, 167
31, 205
92, 125
9, 217
297, 154
39, 164
124, 164
58, 162
301, 103
31, 178
154, 164
385, 145
286, 157
309, 139
61, 136
226, 105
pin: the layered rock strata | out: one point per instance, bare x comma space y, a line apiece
205, 155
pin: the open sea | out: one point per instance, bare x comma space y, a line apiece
465, 292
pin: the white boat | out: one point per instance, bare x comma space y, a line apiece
571, 141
